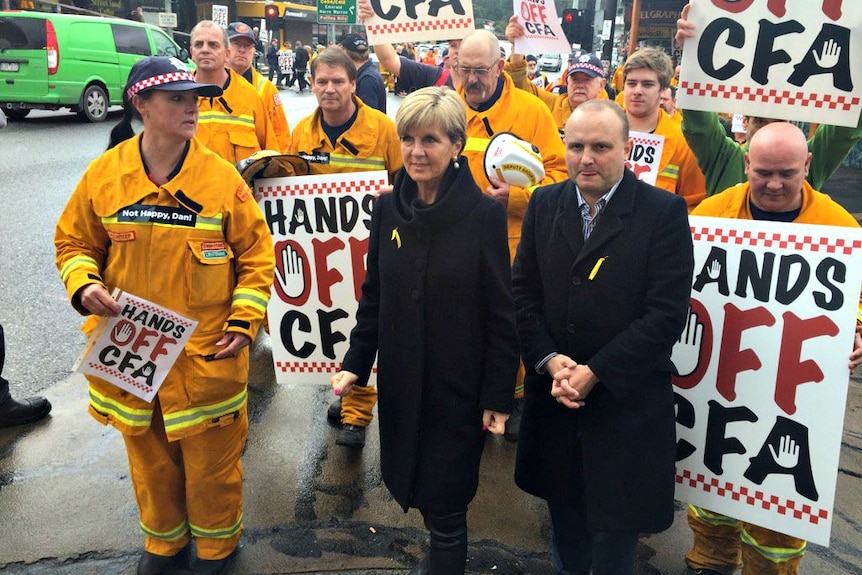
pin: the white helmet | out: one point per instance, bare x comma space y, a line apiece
270, 164
514, 161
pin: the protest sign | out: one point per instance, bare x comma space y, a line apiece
543, 33
775, 59
220, 15
763, 371
320, 226
645, 155
137, 349
401, 20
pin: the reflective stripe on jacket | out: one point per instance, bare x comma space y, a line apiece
371, 143
236, 124
197, 245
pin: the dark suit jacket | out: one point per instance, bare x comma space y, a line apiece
617, 452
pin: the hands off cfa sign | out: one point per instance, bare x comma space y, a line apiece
763, 371
320, 227
399, 20
775, 59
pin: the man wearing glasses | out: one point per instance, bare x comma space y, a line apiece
494, 105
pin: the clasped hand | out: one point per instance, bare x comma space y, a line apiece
572, 381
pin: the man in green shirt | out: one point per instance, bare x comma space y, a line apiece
721, 159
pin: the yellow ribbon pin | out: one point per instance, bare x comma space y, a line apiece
397, 237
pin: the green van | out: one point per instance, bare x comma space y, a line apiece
50, 61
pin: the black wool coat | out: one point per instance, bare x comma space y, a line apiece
437, 309
617, 452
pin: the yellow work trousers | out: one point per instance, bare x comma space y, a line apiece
724, 544
189, 487
356, 406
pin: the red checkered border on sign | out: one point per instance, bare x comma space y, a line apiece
421, 26
646, 141
310, 366
796, 242
771, 96
355, 186
756, 498
182, 321
107, 370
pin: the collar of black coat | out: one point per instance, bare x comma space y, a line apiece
457, 196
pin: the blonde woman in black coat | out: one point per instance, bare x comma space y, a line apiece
437, 311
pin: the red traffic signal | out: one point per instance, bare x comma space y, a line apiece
273, 18
572, 24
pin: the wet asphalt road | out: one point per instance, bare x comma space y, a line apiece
311, 507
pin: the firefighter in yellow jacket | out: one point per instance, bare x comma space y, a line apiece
161, 217
345, 135
494, 105
240, 59
776, 164
235, 124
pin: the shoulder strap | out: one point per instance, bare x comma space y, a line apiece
441, 81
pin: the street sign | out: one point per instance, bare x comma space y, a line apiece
167, 20
336, 11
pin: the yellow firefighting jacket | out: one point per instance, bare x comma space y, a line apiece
529, 119
817, 208
272, 102
197, 245
371, 143
678, 171
558, 104
236, 124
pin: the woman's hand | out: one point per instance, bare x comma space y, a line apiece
342, 382
494, 421
233, 342
96, 300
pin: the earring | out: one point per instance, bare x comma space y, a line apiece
456, 164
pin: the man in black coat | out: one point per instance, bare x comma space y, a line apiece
602, 280
300, 63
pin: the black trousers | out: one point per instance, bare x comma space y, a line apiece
447, 554
298, 76
577, 551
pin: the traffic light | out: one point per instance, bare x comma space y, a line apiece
573, 26
273, 18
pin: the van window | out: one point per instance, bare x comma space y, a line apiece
164, 45
131, 40
22, 33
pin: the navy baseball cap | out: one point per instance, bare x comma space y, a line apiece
163, 73
354, 43
240, 30
589, 64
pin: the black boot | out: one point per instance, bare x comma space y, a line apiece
447, 554
13, 412
421, 568
215, 566
152, 564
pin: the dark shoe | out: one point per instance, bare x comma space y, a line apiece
152, 564
421, 568
693, 571
513, 424
14, 412
215, 566
333, 413
351, 436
